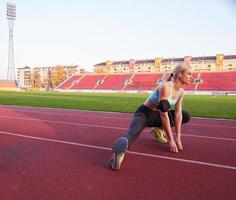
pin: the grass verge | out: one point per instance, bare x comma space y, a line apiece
197, 105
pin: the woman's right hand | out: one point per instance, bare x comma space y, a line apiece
179, 144
173, 146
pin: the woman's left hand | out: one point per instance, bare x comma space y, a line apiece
179, 144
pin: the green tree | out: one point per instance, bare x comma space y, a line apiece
49, 83
36, 79
59, 75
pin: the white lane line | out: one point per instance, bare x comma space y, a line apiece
89, 114
63, 122
209, 137
108, 127
185, 160
60, 109
211, 125
94, 111
121, 118
96, 114
130, 152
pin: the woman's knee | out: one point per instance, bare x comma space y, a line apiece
186, 117
134, 132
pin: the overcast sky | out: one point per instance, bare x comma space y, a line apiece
87, 32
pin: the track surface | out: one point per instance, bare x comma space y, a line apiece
63, 154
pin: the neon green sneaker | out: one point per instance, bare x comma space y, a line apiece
159, 135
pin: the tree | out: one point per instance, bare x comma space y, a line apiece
59, 75
49, 85
36, 79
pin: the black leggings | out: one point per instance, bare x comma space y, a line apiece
145, 117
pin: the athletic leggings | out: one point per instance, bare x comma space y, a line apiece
145, 117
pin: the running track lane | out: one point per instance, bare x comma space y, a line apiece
64, 168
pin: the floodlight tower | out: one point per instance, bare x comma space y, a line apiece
11, 16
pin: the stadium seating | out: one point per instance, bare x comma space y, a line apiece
204, 81
114, 82
217, 81
88, 81
67, 84
143, 81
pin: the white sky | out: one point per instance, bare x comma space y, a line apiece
87, 32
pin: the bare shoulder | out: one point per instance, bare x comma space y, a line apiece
164, 90
165, 85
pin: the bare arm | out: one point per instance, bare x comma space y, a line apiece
164, 93
178, 120
178, 114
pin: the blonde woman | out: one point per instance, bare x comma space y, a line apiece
155, 112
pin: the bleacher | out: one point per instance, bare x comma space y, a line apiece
89, 81
204, 81
114, 82
143, 82
67, 84
215, 81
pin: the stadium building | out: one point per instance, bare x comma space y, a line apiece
218, 63
215, 74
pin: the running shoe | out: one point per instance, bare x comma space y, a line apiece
118, 153
159, 135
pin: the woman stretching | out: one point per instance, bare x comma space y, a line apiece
155, 112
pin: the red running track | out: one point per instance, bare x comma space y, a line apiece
63, 154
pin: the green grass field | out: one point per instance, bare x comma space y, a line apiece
197, 105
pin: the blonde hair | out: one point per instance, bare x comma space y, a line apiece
179, 69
